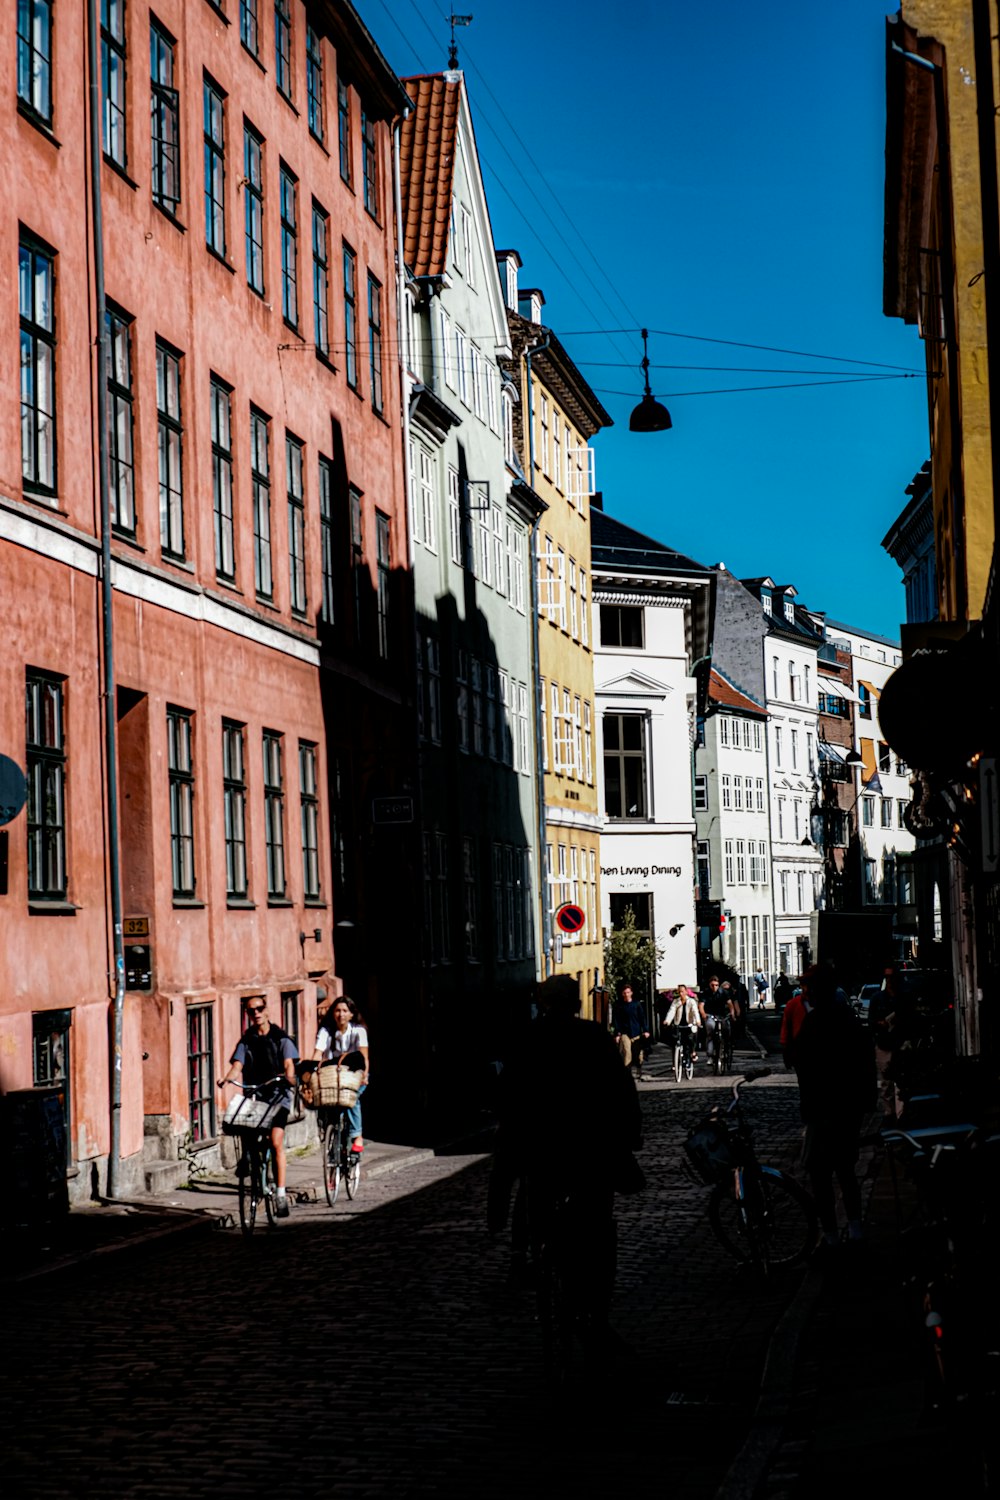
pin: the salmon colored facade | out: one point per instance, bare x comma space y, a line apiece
260, 530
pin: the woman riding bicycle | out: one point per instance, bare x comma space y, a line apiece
343, 1039
683, 1012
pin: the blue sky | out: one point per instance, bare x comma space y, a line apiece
710, 170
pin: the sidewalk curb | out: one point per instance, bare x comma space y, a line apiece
767, 1426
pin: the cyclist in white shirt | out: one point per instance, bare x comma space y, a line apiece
343, 1038
684, 1012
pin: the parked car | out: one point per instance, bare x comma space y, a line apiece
868, 1003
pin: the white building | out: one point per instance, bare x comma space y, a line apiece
732, 809
791, 645
651, 627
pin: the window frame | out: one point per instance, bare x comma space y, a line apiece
200, 1021
220, 399
327, 611
250, 27
272, 743
181, 786
253, 207
383, 563
114, 118
309, 818
314, 83
37, 102
288, 211
283, 73
260, 481
121, 400
40, 336
351, 369
375, 343
165, 121
625, 756
344, 141
234, 809
170, 450
295, 493
369, 165
45, 759
214, 151
321, 280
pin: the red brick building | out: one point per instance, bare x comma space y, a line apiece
258, 533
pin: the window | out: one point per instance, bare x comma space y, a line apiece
884, 757
424, 521
201, 1073
296, 525
462, 703
507, 406
290, 1013
222, 479
180, 775
701, 793
274, 815
557, 478
704, 865
113, 79
253, 201
795, 749
470, 889
344, 129
382, 598
462, 363
727, 791
901, 814
375, 340
45, 767
584, 608
868, 812
357, 557
864, 701
314, 82
249, 34
50, 1033
326, 613
723, 730
760, 794
215, 169
886, 812
283, 47
775, 677
321, 281
800, 881
260, 481
289, 248
36, 285
234, 802
165, 167
729, 867
477, 369
309, 807
351, 316
741, 862
624, 766
543, 422
468, 258
169, 452
783, 887
369, 163
781, 817
777, 745
622, 625
34, 57
120, 418
574, 613
738, 793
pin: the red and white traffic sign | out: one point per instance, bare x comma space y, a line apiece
570, 918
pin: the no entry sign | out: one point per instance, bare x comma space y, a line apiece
570, 918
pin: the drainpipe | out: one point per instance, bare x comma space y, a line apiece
543, 858
404, 381
107, 613
991, 228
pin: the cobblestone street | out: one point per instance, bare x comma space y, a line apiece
379, 1349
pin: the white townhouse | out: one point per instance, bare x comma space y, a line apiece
732, 811
652, 611
791, 645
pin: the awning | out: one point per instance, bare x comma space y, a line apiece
831, 685
831, 752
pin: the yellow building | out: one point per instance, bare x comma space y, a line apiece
553, 414
934, 275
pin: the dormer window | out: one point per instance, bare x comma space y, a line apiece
765, 600
789, 608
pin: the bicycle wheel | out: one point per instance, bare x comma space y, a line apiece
774, 1225
248, 1171
331, 1159
268, 1185
688, 1065
352, 1172
678, 1061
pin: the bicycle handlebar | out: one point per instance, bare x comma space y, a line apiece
251, 1088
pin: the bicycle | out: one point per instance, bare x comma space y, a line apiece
249, 1117
759, 1214
574, 1240
340, 1163
683, 1052
722, 1046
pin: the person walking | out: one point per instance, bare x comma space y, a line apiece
761, 986
834, 1059
631, 1030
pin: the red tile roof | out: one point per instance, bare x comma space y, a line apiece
721, 691
427, 152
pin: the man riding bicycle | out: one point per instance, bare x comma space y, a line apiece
717, 1008
262, 1053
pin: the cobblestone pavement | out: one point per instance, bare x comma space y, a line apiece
378, 1350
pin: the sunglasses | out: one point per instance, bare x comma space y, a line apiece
255, 1010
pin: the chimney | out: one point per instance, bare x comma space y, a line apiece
508, 264
530, 303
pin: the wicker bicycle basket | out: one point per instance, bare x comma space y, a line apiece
333, 1085
245, 1113
710, 1151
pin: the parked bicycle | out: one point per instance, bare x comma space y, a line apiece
249, 1117
684, 1037
758, 1213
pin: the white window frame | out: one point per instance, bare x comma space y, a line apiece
584, 611
557, 451
427, 486
580, 478
462, 363
455, 515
